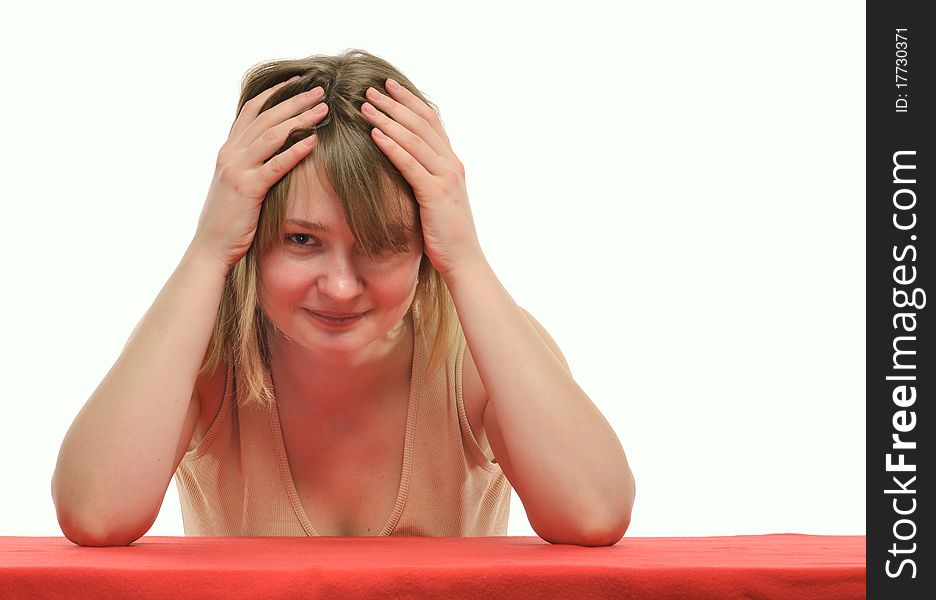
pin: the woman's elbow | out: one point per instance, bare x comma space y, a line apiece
83, 533
600, 530
612, 528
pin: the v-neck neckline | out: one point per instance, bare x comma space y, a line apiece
405, 475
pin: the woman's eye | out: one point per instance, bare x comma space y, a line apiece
299, 239
293, 238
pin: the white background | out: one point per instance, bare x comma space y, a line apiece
674, 189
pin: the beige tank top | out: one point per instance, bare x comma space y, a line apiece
237, 481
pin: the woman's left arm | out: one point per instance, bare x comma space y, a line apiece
556, 448
562, 456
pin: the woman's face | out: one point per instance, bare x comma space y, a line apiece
323, 269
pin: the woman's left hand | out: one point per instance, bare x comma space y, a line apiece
413, 138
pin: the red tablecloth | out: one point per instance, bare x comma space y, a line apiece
757, 566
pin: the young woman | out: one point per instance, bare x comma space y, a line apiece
334, 355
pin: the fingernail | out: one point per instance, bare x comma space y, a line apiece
393, 85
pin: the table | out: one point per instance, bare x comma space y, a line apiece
730, 567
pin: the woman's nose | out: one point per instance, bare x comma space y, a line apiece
340, 281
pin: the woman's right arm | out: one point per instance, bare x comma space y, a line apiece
118, 456
120, 453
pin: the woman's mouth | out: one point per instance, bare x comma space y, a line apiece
336, 321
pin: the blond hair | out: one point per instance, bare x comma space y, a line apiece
370, 189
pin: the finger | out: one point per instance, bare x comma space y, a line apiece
251, 108
415, 104
264, 146
405, 116
274, 169
281, 112
411, 142
414, 172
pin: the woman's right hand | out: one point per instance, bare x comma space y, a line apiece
243, 175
